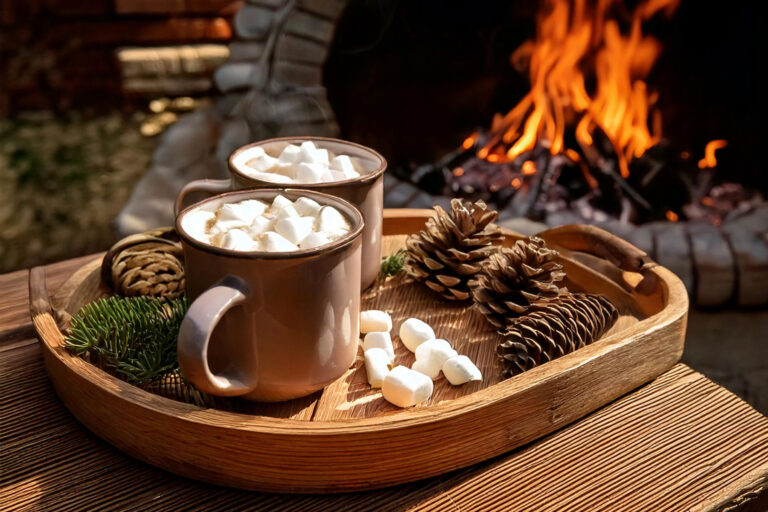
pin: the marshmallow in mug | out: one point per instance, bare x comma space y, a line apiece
298, 164
253, 225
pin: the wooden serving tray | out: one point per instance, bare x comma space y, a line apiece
347, 437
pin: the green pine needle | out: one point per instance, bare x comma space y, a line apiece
134, 336
392, 264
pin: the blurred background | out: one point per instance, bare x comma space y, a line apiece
108, 107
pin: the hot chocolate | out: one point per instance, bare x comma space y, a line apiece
298, 164
254, 225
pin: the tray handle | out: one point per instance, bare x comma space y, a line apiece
598, 242
40, 302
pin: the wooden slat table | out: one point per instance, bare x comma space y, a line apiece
678, 443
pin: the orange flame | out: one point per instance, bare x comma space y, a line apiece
709, 159
570, 35
672, 216
469, 141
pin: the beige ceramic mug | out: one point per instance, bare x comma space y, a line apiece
270, 326
365, 192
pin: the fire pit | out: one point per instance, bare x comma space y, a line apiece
585, 145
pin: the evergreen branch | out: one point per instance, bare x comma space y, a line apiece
134, 336
392, 264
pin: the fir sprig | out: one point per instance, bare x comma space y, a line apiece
134, 336
392, 264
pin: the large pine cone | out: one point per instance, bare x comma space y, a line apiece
449, 251
552, 329
514, 278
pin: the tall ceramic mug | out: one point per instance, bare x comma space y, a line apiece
270, 326
365, 192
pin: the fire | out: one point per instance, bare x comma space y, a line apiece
469, 141
529, 168
709, 159
576, 43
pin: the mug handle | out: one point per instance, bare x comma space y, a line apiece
209, 186
195, 335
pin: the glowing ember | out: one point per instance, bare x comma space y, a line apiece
709, 159
574, 43
529, 168
672, 216
516, 183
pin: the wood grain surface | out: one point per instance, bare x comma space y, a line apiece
678, 443
355, 440
15, 323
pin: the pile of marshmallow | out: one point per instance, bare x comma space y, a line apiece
403, 386
254, 225
297, 164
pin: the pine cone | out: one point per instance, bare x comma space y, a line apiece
552, 329
514, 278
148, 264
449, 251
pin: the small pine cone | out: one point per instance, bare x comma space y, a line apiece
514, 278
449, 251
552, 329
149, 264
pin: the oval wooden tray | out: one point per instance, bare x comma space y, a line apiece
347, 437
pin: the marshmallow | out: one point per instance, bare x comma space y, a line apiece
426, 367
322, 157
242, 213
376, 366
237, 240
273, 242
380, 340
343, 169
308, 173
287, 212
287, 170
314, 239
312, 155
404, 387
431, 355
280, 202
308, 152
414, 332
261, 225
460, 370
296, 164
295, 229
331, 221
197, 222
291, 154
261, 163
375, 321
252, 225
342, 163
307, 207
